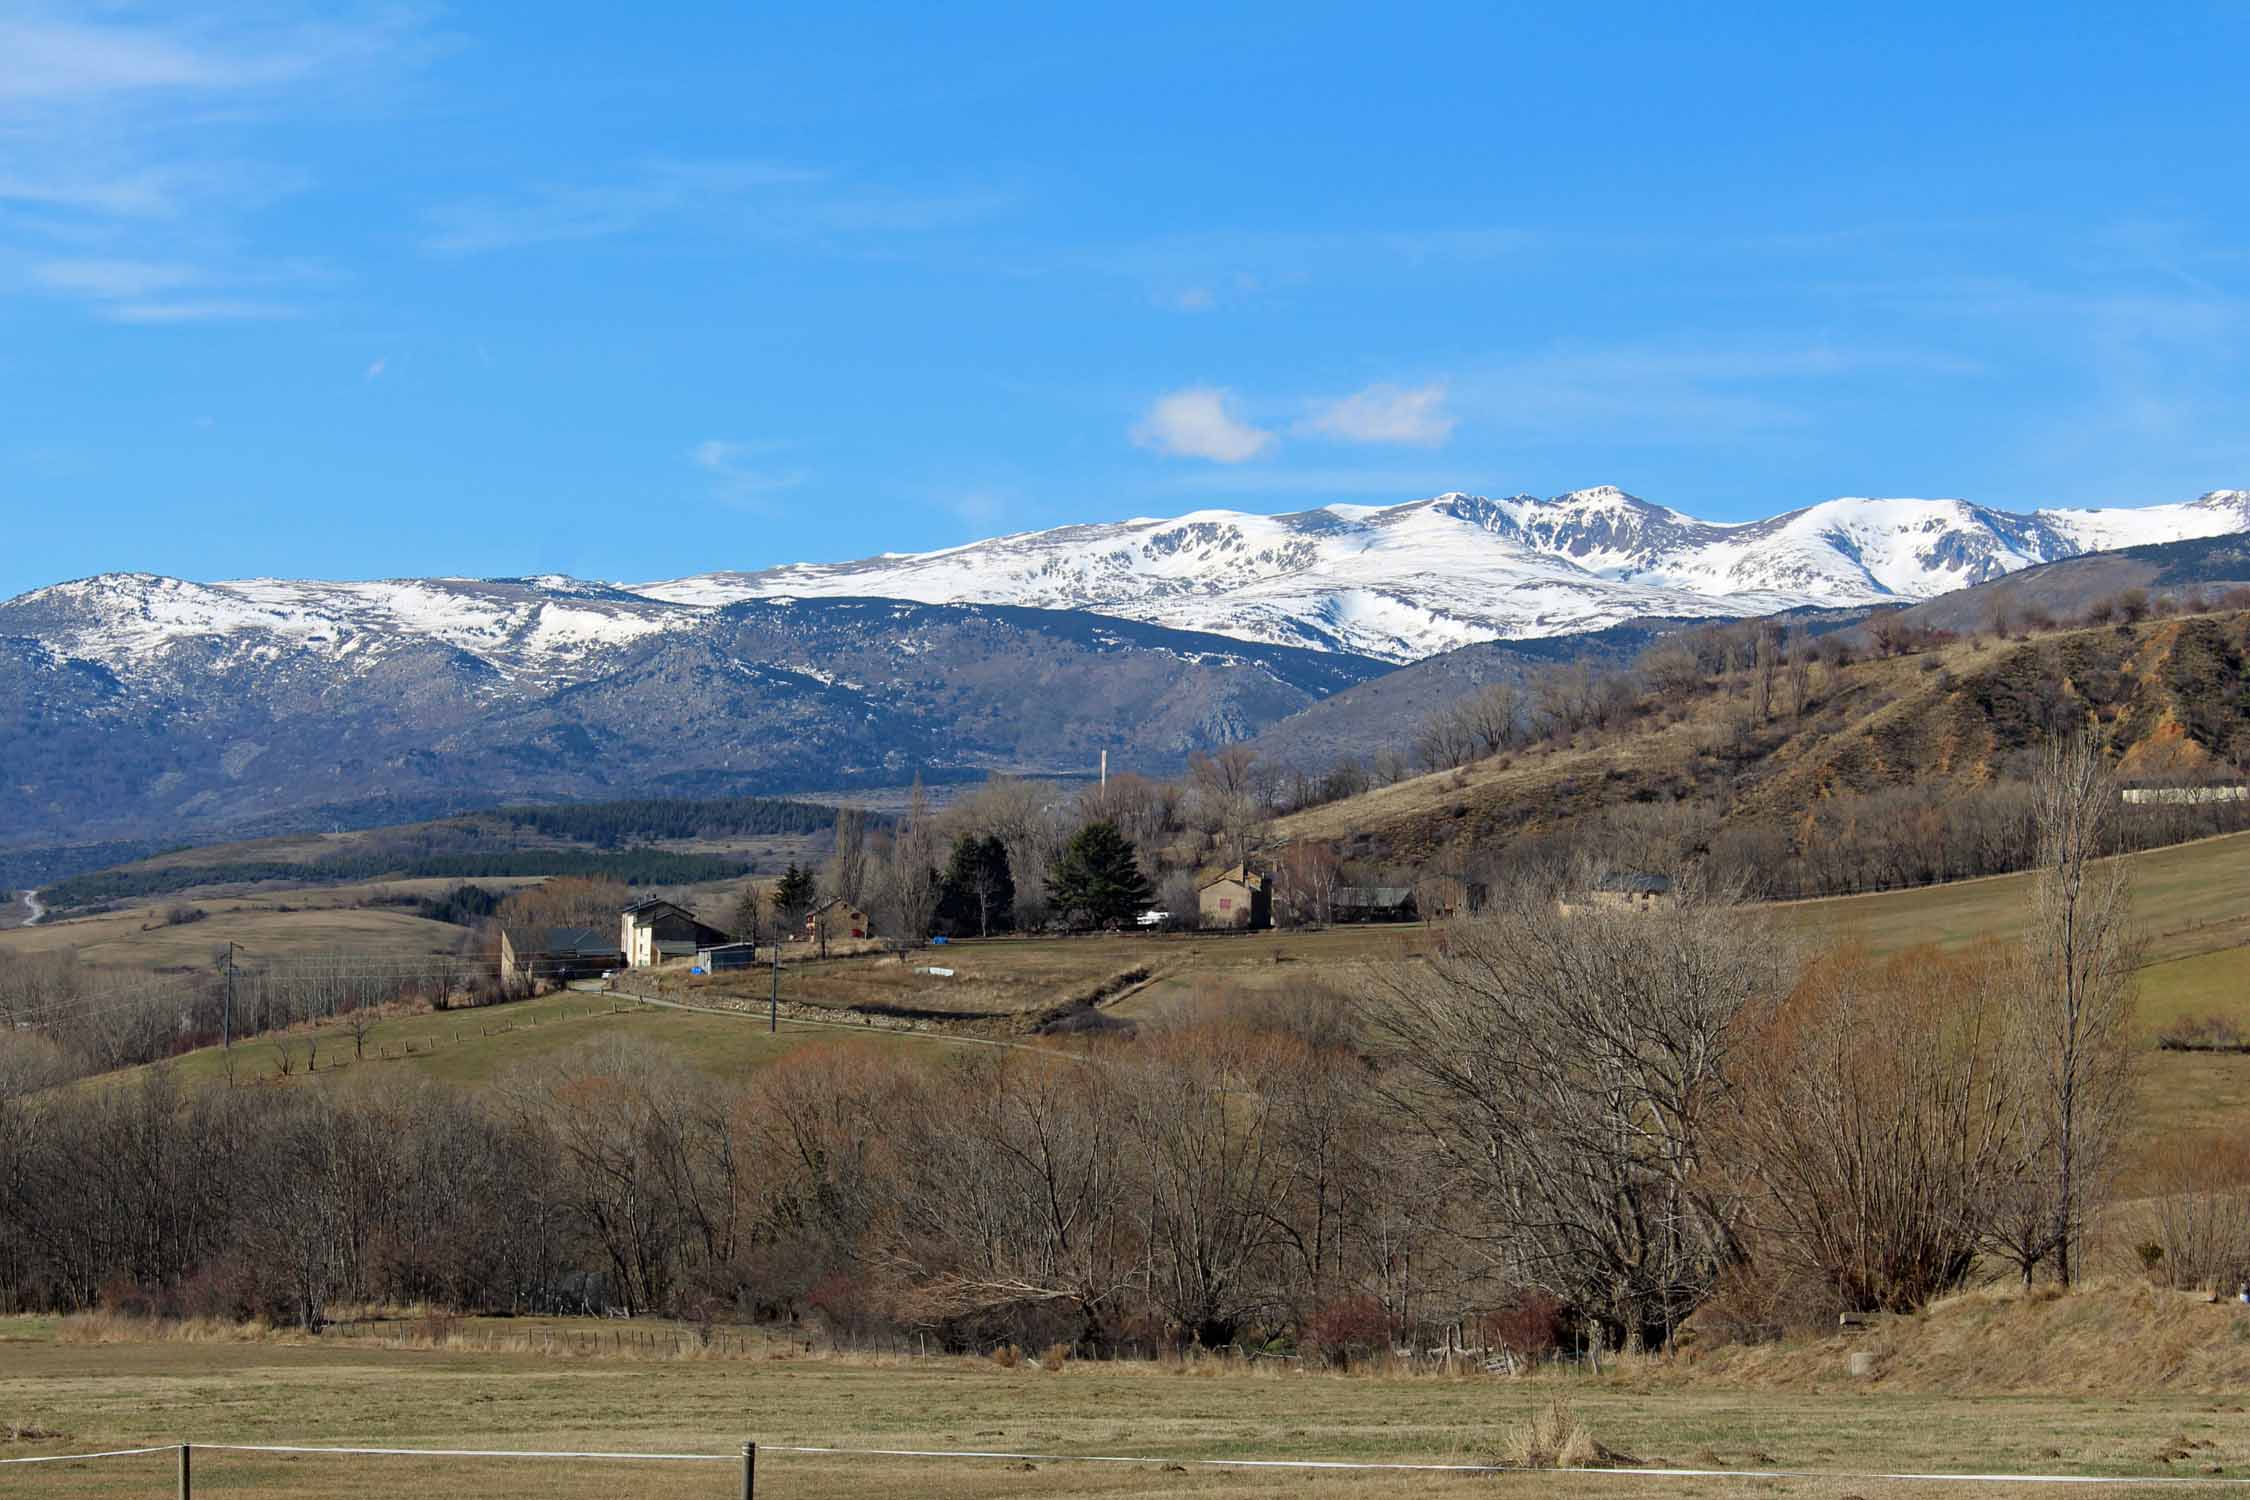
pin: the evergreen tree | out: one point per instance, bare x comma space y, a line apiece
792, 898
978, 893
1097, 881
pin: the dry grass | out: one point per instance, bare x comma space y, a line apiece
330, 1391
2188, 899
1017, 981
126, 943
1554, 1438
474, 1047
2104, 1336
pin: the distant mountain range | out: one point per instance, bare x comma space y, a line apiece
136, 706
1404, 582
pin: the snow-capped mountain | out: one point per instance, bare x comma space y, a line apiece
1404, 581
1396, 582
138, 706
531, 627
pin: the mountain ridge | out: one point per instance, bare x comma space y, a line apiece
1397, 582
1407, 581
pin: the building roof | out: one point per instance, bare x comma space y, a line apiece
561, 941
648, 907
1241, 875
1372, 895
1635, 883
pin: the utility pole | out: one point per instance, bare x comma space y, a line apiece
773, 1006
226, 1039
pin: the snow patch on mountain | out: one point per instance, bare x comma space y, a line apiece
1406, 581
1398, 582
520, 627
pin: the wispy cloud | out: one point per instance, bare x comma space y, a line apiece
740, 473
107, 278
127, 174
1200, 422
986, 510
1193, 272
196, 310
752, 199
375, 370
1415, 416
1637, 395
562, 212
1322, 483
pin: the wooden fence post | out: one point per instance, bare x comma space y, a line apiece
187, 1489
749, 1471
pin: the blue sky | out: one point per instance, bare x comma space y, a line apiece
633, 292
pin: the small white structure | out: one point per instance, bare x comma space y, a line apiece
2183, 796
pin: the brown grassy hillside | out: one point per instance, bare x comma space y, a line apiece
2171, 696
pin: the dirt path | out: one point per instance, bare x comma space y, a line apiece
796, 1017
31, 900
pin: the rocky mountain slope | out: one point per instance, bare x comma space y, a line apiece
1404, 582
118, 720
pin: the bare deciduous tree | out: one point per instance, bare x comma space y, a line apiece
1871, 1122
845, 876
910, 876
1800, 652
2073, 1014
1570, 1069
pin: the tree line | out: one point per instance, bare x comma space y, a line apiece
1570, 1122
634, 866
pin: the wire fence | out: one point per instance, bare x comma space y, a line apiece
745, 1461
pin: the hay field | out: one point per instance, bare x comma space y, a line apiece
2188, 899
1019, 979
472, 1048
91, 1396
138, 941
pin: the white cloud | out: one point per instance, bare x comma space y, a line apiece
736, 478
1200, 422
1386, 414
375, 370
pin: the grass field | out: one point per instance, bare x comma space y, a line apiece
329, 1392
474, 1047
1016, 979
138, 941
294, 923
2188, 899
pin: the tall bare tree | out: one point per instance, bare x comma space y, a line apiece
2073, 1012
1800, 670
845, 876
910, 880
